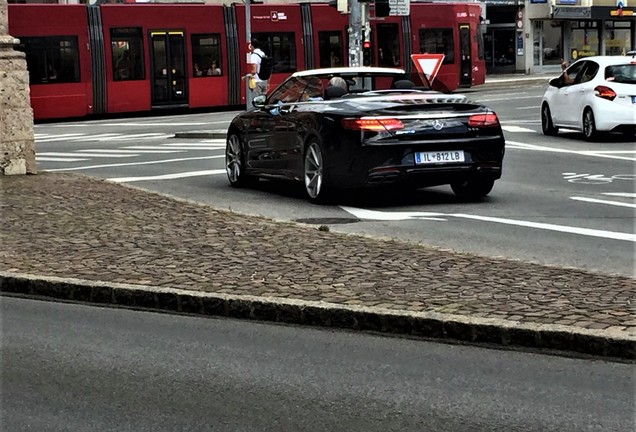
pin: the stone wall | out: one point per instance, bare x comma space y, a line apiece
17, 145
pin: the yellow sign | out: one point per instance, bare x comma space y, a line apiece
625, 13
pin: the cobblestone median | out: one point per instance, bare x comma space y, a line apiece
79, 227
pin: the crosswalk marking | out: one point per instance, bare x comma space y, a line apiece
181, 147
150, 151
57, 159
95, 155
168, 176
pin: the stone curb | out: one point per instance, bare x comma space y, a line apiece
563, 339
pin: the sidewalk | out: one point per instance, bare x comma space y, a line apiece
83, 239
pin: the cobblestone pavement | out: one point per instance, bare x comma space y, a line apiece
79, 227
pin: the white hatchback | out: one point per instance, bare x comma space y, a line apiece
600, 98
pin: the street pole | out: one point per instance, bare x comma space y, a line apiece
355, 33
248, 39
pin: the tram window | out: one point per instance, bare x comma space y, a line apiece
51, 60
479, 38
206, 55
127, 54
330, 49
438, 41
281, 47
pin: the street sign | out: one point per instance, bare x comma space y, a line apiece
428, 64
400, 7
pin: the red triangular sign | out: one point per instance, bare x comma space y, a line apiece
428, 64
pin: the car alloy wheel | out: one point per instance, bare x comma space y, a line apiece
546, 121
473, 188
234, 162
589, 125
314, 171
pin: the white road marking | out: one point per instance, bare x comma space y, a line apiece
621, 194
199, 144
516, 129
181, 147
98, 137
167, 176
139, 137
54, 138
509, 97
128, 151
516, 144
56, 159
378, 215
135, 163
598, 201
97, 155
529, 107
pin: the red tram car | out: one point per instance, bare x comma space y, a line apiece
117, 58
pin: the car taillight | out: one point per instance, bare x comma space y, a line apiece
483, 120
372, 124
605, 93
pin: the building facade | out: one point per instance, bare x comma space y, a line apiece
535, 36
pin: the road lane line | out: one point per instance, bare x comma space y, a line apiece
127, 151
621, 194
167, 176
598, 201
516, 129
96, 155
57, 159
134, 163
526, 146
396, 216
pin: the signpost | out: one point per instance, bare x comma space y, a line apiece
400, 7
428, 64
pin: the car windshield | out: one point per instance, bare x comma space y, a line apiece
309, 88
625, 73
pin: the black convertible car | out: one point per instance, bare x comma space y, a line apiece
378, 129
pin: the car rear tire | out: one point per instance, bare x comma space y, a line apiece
547, 126
473, 188
235, 163
314, 177
589, 125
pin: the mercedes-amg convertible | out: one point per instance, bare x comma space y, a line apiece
366, 127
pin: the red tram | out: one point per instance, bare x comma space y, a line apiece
117, 58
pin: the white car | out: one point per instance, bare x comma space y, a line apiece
600, 97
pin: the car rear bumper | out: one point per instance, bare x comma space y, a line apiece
611, 116
384, 165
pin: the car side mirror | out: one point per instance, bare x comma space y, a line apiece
259, 101
556, 82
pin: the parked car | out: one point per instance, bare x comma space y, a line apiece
595, 95
381, 130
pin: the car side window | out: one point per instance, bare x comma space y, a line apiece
574, 71
590, 71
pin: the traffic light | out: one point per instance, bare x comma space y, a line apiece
366, 54
382, 8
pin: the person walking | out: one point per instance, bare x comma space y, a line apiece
256, 58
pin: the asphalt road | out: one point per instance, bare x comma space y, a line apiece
69, 367
561, 201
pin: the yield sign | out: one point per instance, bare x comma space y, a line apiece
428, 64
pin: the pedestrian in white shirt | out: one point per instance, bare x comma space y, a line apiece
256, 58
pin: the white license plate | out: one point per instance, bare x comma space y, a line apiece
439, 157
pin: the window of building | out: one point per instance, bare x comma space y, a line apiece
206, 55
51, 59
438, 41
127, 54
330, 49
281, 47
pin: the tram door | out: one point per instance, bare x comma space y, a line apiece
168, 68
465, 56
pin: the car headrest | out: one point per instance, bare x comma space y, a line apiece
334, 92
403, 84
